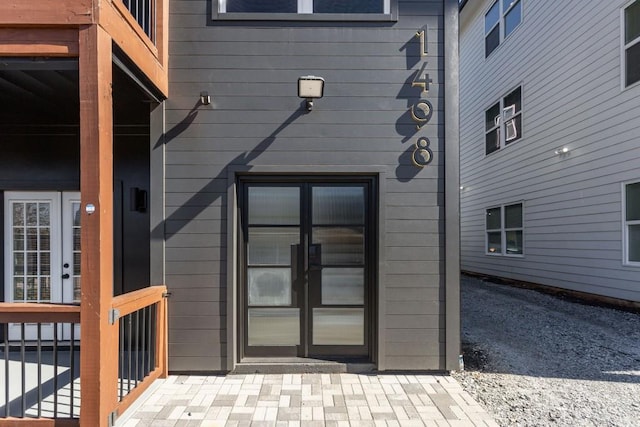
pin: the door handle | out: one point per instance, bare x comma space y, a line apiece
315, 256
65, 276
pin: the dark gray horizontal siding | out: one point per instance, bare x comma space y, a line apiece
418, 292
409, 280
310, 157
413, 239
417, 362
404, 253
214, 347
195, 254
416, 348
250, 69
283, 88
203, 294
299, 50
233, 144
275, 72
401, 307
408, 336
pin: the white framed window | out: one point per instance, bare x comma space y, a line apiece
631, 44
504, 227
500, 20
302, 7
631, 223
503, 121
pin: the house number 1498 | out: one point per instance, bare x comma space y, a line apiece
422, 110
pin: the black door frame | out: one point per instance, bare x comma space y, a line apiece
305, 182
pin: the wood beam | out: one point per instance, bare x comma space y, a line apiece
98, 366
117, 21
26, 312
24, 41
46, 12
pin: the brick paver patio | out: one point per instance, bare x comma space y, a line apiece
307, 400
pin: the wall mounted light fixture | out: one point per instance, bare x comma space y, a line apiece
205, 98
310, 87
563, 150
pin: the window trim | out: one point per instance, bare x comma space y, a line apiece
390, 14
503, 231
502, 134
624, 46
625, 227
501, 24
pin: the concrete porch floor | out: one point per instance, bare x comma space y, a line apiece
314, 399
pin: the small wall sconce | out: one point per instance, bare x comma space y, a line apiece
310, 87
138, 200
560, 151
205, 99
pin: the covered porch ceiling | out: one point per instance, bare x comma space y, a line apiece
44, 93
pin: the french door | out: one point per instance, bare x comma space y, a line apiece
307, 281
42, 253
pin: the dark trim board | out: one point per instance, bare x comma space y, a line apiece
306, 286
156, 194
333, 18
2, 249
233, 174
452, 186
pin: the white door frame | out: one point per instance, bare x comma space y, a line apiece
67, 262
61, 238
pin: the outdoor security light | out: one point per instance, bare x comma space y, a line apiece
310, 87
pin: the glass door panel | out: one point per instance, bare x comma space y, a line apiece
342, 286
274, 327
338, 205
272, 234
31, 257
269, 286
338, 326
340, 245
338, 270
306, 288
42, 253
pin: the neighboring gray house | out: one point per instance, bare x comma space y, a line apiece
550, 143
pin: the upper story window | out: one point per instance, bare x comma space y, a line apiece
304, 7
502, 18
631, 68
504, 230
503, 121
631, 227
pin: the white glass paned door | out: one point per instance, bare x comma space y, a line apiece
35, 239
71, 255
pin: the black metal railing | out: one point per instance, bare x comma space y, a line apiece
41, 370
137, 346
144, 12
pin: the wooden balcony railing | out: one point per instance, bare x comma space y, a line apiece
41, 362
41, 369
144, 12
142, 337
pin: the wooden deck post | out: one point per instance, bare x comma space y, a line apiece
98, 360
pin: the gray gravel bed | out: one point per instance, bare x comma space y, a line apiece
533, 359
